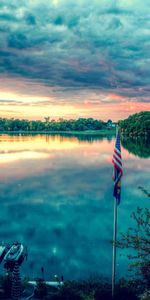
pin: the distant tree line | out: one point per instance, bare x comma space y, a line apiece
136, 125
81, 124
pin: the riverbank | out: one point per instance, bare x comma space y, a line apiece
101, 132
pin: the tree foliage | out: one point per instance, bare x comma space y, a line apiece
138, 240
136, 125
80, 124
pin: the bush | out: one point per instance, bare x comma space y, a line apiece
7, 285
41, 289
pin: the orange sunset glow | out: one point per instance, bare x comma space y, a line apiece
34, 107
53, 65
40, 148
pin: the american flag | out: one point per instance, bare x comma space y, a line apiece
117, 171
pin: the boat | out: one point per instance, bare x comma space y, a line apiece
3, 251
15, 254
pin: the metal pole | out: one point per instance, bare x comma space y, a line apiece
114, 248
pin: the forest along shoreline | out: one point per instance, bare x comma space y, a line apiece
137, 125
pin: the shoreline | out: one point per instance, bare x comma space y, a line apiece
86, 132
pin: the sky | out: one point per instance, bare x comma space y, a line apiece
71, 59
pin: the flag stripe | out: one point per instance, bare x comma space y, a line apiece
117, 165
117, 154
117, 160
117, 150
117, 170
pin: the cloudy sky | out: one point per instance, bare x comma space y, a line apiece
67, 58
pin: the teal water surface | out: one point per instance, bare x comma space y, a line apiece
56, 198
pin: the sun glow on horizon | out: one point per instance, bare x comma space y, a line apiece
37, 107
8, 96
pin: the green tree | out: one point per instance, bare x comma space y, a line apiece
138, 240
136, 125
80, 124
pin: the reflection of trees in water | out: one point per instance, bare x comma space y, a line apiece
83, 137
139, 147
71, 136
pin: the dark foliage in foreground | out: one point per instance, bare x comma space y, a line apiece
93, 290
137, 239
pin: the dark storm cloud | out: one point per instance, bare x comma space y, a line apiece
95, 45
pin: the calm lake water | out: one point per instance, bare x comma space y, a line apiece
56, 198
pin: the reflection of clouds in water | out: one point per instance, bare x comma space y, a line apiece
60, 236
61, 224
55, 184
6, 158
63, 209
88, 154
44, 142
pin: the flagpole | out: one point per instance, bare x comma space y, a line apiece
114, 242
114, 248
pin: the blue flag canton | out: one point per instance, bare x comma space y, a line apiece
118, 142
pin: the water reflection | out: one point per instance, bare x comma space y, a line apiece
139, 147
17, 147
56, 197
54, 136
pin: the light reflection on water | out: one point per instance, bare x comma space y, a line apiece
56, 198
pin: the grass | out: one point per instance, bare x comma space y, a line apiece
101, 132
